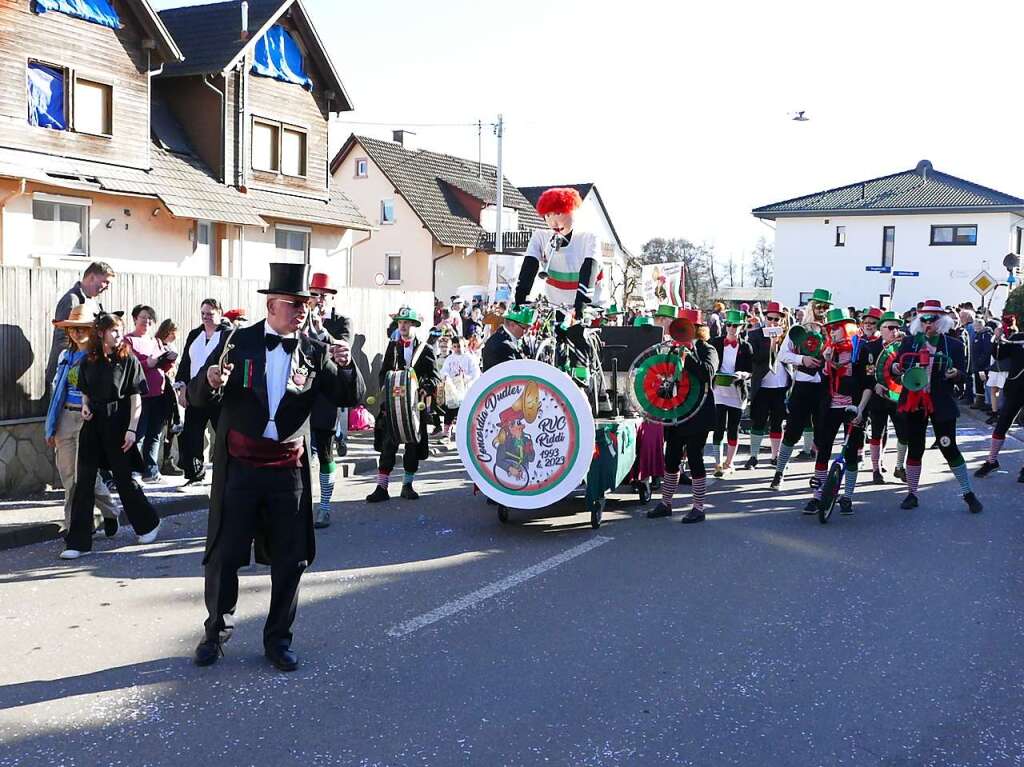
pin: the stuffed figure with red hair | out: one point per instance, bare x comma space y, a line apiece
567, 260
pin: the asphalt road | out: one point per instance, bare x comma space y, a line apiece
430, 634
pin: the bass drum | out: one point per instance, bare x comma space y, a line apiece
662, 389
401, 401
883, 372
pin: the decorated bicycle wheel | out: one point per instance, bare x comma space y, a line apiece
662, 389
884, 374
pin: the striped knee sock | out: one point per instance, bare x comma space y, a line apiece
849, 482
776, 439
382, 478
408, 477
730, 451
901, 454
820, 473
808, 440
326, 491
997, 444
962, 476
913, 475
756, 436
699, 485
785, 451
669, 482
876, 454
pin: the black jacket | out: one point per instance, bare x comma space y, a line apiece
1011, 358
185, 360
325, 412
425, 367
703, 364
500, 347
942, 392
244, 407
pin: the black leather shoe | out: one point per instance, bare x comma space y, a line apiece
877, 478
845, 505
110, 526
1020, 477
910, 502
751, 463
973, 504
409, 494
900, 473
208, 652
776, 481
693, 515
811, 507
379, 494
986, 468
340, 448
659, 511
283, 658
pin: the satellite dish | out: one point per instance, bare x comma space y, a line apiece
378, 279
800, 117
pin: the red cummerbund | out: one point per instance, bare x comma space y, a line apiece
263, 452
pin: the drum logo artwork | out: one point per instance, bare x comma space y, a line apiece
523, 435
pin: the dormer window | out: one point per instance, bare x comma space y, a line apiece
61, 100
277, 55
47, 96
93, 107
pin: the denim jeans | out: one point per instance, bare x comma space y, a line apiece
150, 430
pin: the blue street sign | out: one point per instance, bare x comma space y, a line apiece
882, 269
906, 274
1011, 280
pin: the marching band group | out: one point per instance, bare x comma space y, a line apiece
276, 388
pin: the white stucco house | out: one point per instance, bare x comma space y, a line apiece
895, 240
594, 217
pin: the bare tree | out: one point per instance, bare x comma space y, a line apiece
762, 265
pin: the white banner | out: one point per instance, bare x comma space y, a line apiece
662, 284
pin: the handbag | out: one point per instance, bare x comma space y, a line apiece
454, 391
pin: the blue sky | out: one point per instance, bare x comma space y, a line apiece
678, 111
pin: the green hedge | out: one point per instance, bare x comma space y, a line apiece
1015, 302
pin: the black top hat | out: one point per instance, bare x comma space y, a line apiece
288, 280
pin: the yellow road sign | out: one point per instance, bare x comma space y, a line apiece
984, 282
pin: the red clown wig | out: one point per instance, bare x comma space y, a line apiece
559, 200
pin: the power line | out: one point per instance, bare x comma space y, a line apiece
409, 124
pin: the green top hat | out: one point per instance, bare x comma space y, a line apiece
735, 317
612, 311
641, 321
891, 317
407, 314
837, 315
521, 315
822, 296
667, 310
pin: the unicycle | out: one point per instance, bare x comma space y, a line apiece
833, 483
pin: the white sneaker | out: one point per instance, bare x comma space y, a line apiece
73, 554
151, 535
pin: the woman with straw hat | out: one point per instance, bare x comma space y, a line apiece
64, 415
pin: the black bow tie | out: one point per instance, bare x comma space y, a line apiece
288, 344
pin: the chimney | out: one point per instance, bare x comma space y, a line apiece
922, 170
244, 34
404, 137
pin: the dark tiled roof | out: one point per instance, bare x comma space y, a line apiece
921, 189
425, 179
209, 35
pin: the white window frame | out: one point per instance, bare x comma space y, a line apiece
59, 199
387, 267
306, 230
364, 163
394, 212
274, 125
305, 150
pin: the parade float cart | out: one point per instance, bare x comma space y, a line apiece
528, 439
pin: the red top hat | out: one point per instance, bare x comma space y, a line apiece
693, 315
931, 306
874, 312
321, 282
773, 308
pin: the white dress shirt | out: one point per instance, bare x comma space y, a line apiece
278, 368
728, 395
199, 351
788, 356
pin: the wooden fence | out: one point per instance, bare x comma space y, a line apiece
28, 297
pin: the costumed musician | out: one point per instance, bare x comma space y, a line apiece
328, 327
730, 389
929, 346
699, 359
505, 342
882, 406
1010, 352
404, 352
266, 377
869, 348
769, 383
806, 398
848, 384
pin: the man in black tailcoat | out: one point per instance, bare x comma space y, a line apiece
504, 343
261, 488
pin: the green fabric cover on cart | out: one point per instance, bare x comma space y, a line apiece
614, 456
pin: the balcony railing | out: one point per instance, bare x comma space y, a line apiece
513, 242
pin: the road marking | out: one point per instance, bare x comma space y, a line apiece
449, 609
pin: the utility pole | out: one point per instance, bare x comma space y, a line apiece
480, 150
499, 241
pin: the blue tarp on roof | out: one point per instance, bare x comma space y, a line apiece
96, 11
46, 97
277, 55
